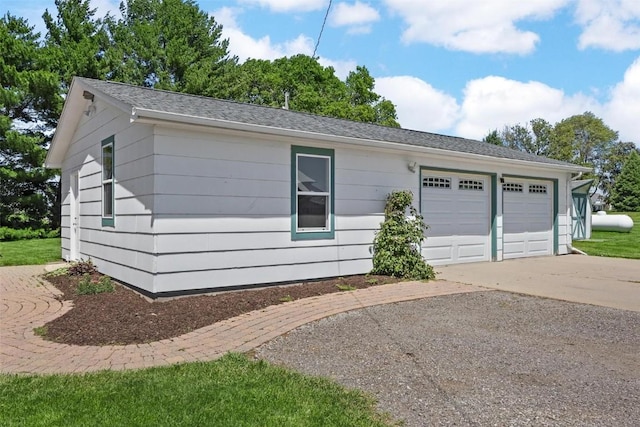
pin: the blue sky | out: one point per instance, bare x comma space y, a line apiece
457, 67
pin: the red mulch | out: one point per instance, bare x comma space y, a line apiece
125, 317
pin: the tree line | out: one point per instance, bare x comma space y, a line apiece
164, 44
585, 140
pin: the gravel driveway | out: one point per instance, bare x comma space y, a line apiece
485, 358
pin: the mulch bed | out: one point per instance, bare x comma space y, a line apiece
125, 317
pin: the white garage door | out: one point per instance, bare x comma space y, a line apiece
457, 210
527, 218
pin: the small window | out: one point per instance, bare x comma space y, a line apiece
108, 167
538, 188
470, 184
436, 182
312, 205
512, 187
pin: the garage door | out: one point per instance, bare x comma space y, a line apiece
457, 210
527, 218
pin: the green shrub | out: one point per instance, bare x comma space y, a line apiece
396, 247
8, 234
88, 286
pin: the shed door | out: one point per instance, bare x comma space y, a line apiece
579, 217
457, 210
527, 218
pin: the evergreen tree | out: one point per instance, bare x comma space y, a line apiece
625, 195
30, 104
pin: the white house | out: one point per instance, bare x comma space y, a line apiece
173, 193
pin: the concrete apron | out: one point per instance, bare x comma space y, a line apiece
607, 282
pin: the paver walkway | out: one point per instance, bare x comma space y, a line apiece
26, 302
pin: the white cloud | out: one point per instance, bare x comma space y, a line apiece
342, 68
244, 46
488, 26
357, 17
418, 104
622, 111
493, 102
609, 24
289, 5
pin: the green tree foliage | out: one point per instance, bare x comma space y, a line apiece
534, 138
166, 44
612, 166
396, 247
582, 139
29, 105
75, 42
493, 138
311, 88
625, 194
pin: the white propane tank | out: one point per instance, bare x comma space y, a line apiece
604, 222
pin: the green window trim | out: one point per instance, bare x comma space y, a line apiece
327, 232
107, 186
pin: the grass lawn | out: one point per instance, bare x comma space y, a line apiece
614, 244
232, 391
30, 252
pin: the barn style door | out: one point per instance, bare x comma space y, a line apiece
579, 217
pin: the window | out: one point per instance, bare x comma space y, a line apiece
436, 182
312, 193
108, 167
538, 188
512, 187
470, 184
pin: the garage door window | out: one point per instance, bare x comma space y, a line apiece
470, 184
538, 188
512, 187
436, 182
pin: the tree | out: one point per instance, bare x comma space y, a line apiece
625, 194
582, 139
166, 44
612, 166
29, 105
534, 138
493, 138
311, 88
75, 42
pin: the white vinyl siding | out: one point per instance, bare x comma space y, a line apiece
125, 252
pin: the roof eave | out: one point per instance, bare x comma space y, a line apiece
72, 110
157, 117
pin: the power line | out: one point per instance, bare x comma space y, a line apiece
321, 30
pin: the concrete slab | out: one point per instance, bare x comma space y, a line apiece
607, 282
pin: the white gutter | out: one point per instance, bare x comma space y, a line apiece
142, 115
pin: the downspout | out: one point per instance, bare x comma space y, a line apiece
576, 251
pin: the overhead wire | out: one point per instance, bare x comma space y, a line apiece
324, 22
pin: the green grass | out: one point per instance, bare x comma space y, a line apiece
614, 244
30, 252
232, 391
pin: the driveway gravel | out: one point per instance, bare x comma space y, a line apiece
483, 358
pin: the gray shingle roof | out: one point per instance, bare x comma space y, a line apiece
211, 108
